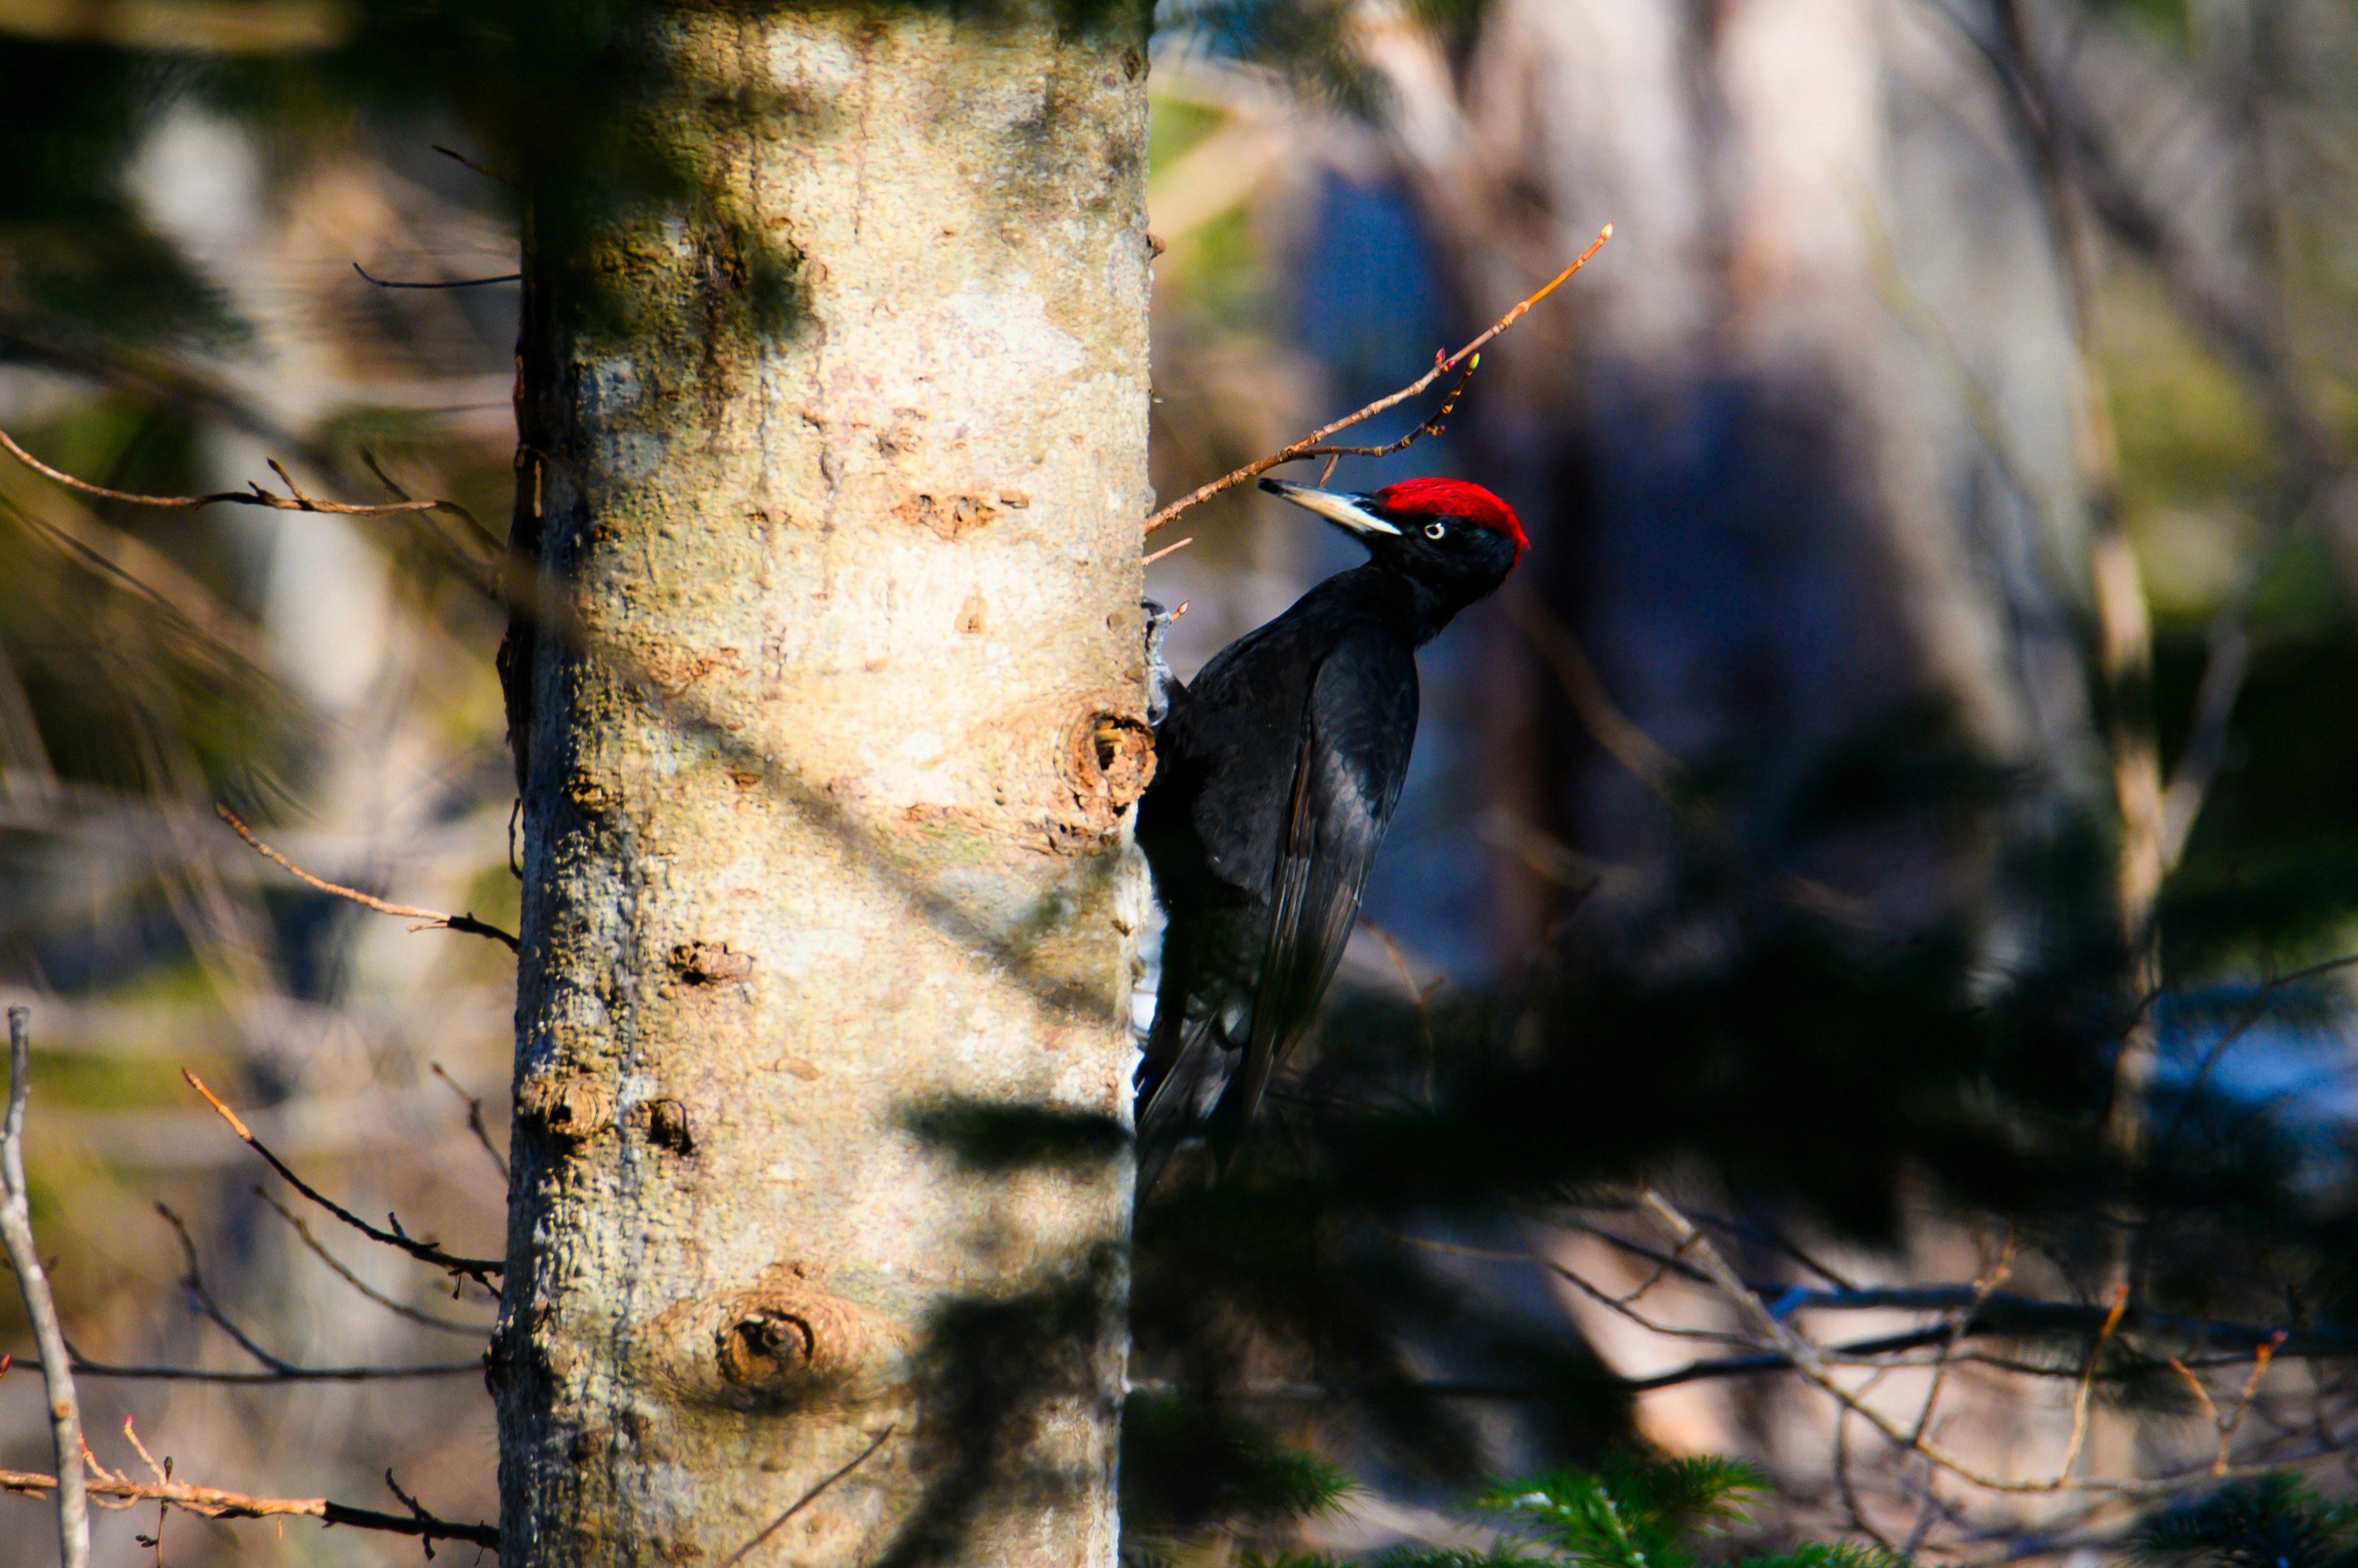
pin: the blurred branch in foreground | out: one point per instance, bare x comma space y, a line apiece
25, 1258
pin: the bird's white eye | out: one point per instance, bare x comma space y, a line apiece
1435, 530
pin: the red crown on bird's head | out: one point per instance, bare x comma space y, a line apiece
1454, 498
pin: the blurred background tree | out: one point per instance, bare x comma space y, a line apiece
1764, 842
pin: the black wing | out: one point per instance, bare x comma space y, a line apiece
1357, 726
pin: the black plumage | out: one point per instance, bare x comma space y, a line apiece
1276, 774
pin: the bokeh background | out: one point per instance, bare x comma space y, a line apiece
1772, 804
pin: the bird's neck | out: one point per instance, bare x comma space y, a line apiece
1414, 609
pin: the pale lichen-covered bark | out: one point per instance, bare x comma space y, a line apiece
831, 712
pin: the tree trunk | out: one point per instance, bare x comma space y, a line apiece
828, 705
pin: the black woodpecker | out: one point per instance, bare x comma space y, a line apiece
1276, 774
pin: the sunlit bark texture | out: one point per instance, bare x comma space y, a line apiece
831, 709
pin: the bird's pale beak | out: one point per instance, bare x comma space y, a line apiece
1333, 505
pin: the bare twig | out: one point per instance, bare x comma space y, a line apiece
457, 157
450, 282
480, 1269
294, 501
1623, 739
1962, 1321
1624, 1305
2086, 1397
202, 1299
431, 1528
2201, 1393
40, 1307
426, 919
2251, 1016
212, 1502
1442, 365
2124, 618
84, 1368
2206, 746
2261, 1356
1431, 427
1812, 1363
2002, 1311
336, 1265
163, 1474
474, 1118
1168, 550
809, 1498
1843, 1486
132, 1432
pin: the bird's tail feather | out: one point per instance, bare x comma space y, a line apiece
1172, 1107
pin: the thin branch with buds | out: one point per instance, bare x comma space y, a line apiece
1442, 365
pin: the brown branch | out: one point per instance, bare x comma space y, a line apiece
1962, 1321
336, 1265
450, 282
1168, 550
1442, 365
2002, 1312
426, 919
82, 1367
40, 1307
294, 501
2082, 1400
474, 1118
2261, 1356
1843, 1486
201, 1298
1431, 427
1812, 1363
1628, 744
2224, 671
457, 157
212, 1502
480, 1269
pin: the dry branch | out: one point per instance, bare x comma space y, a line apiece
293, 500
336, 1266
1442, 365
82, 1367
480, 1269
212, 1502
1816, 1364
426, 919
17, 1233
445, 282
474, 1104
